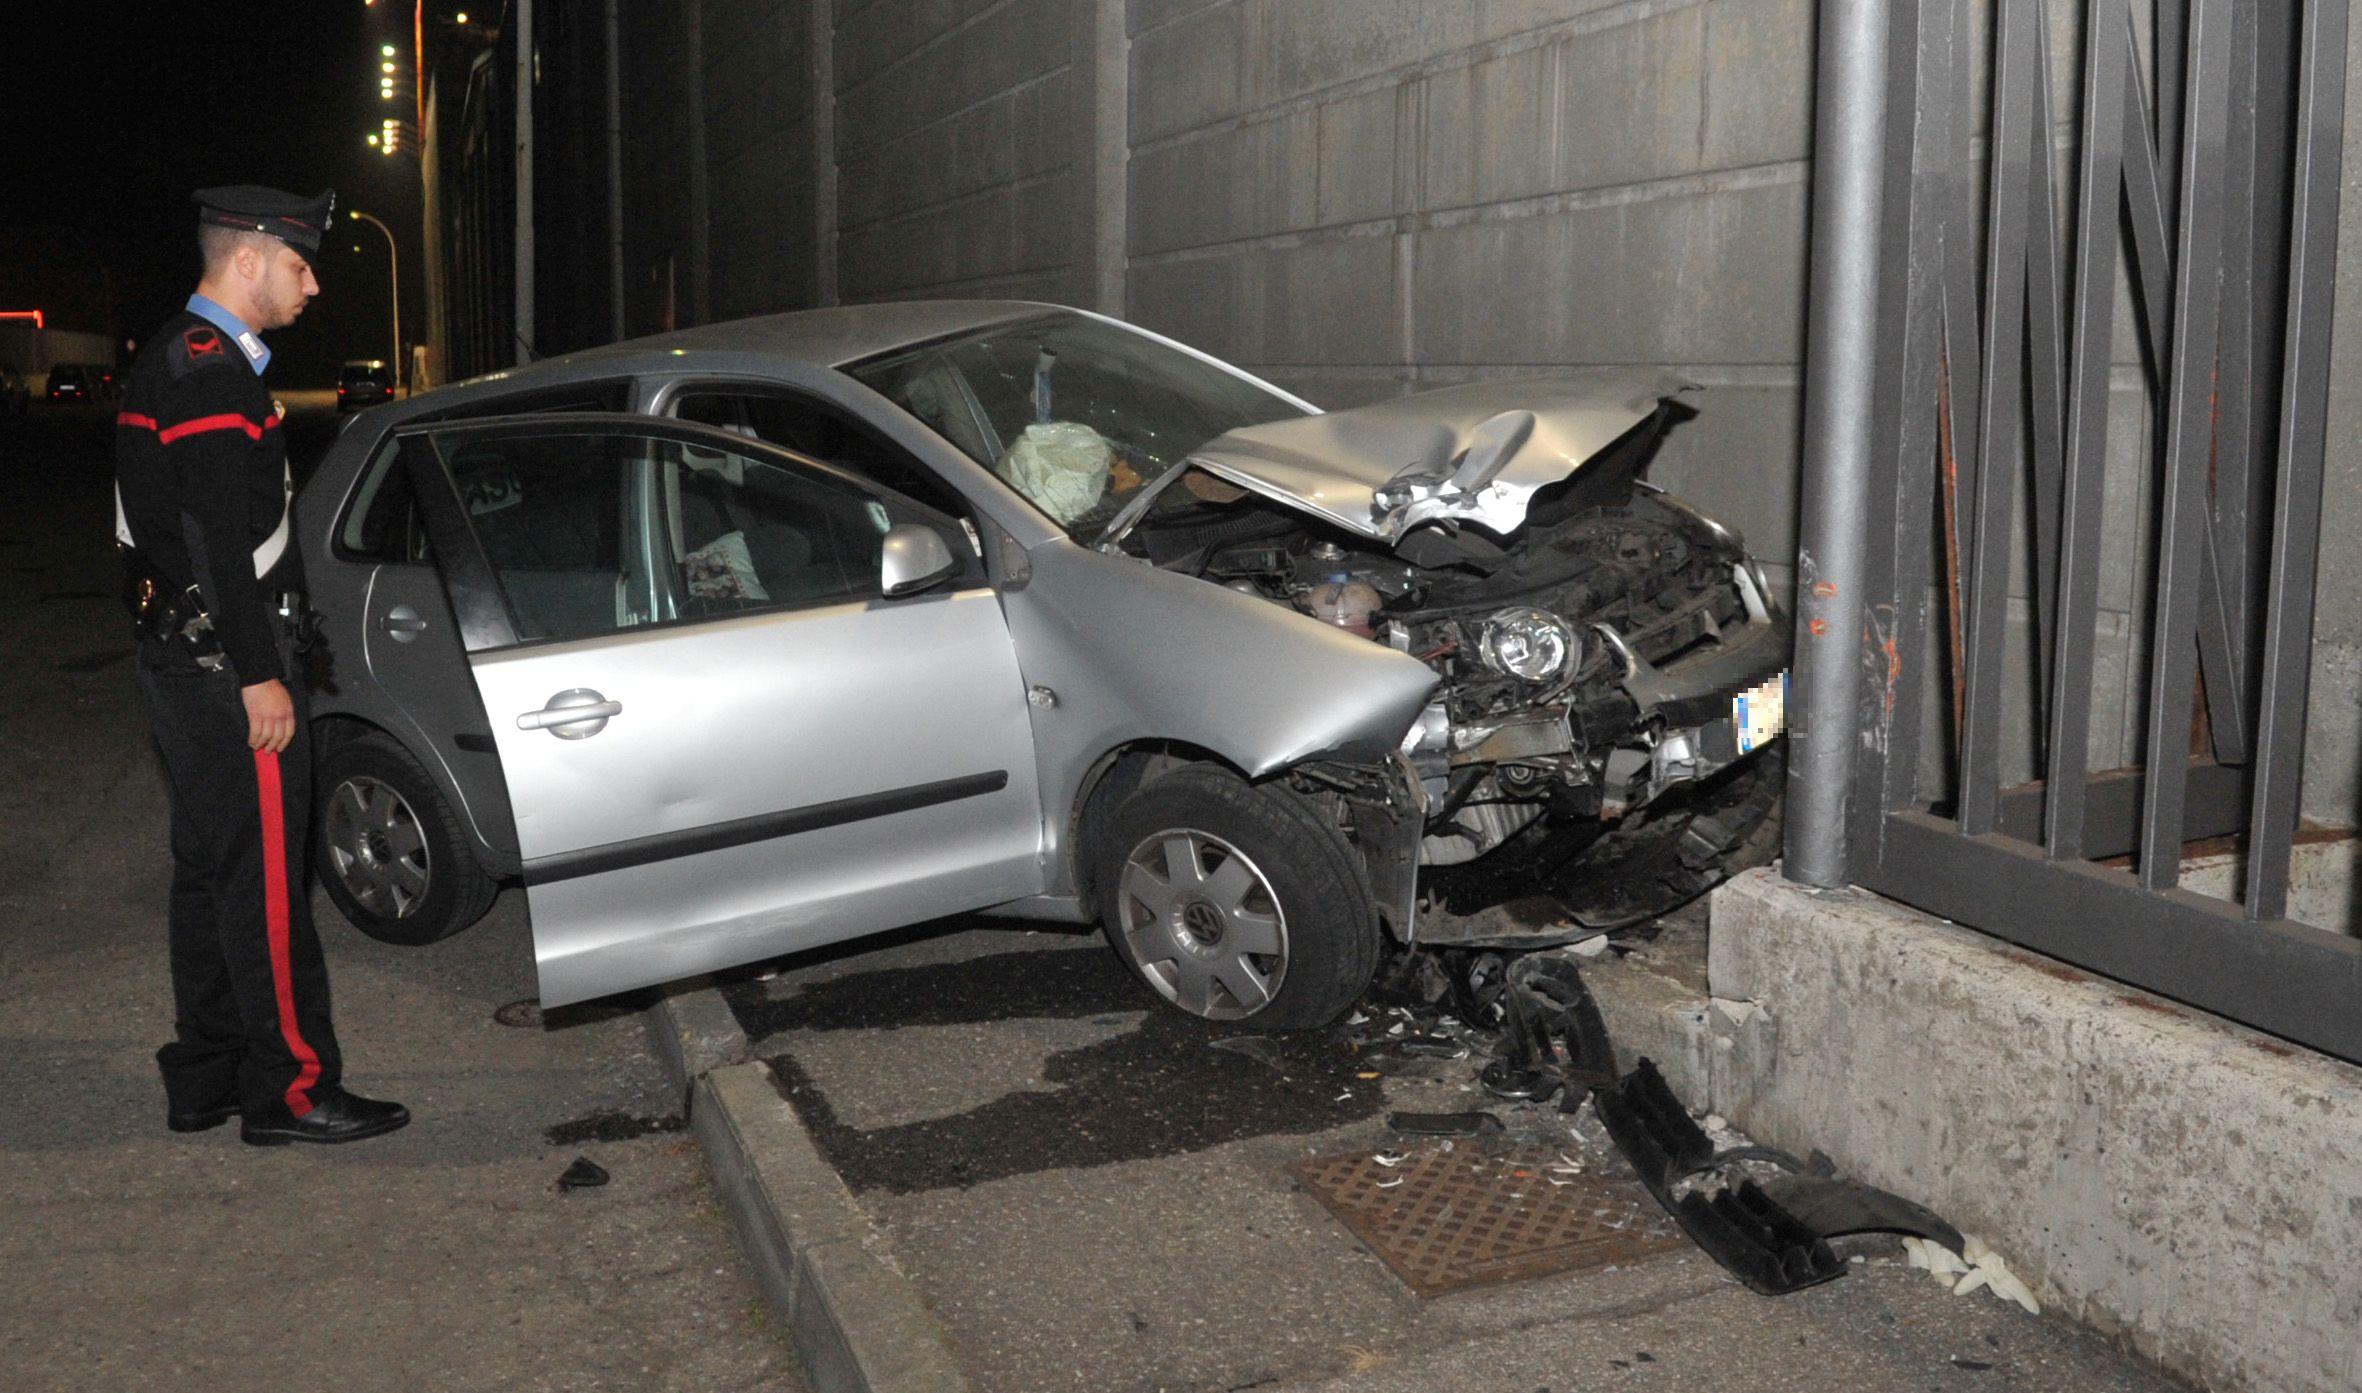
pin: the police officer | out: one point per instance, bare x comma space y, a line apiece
202, 512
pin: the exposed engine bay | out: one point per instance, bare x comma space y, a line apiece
1617, 647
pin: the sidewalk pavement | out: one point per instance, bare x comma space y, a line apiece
1078, 1193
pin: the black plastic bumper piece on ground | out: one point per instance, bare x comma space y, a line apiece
1740, 1227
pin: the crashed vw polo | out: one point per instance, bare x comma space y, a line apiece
781, 632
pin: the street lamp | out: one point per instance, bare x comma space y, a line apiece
393, 257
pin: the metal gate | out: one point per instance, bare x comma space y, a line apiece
2049, 327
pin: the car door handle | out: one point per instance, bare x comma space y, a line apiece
574, 714
402, 623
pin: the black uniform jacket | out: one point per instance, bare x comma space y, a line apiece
201, 466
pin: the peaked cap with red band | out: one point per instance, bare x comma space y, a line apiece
298, 221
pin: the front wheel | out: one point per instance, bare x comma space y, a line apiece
1237, 902
391, 854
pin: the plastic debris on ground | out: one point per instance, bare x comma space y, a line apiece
1974, 1266
584, 1174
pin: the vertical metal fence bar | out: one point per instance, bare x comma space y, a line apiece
2046, 367
2145, 205
2172, 31
1839, 473
2228, 524
2189, 407
1986, 579
1963, 353
2296, 527
2099, 195
1915, 573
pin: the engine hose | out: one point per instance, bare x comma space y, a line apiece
1463, 787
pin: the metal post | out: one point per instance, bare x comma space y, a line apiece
393, 259
521, 18
614, 178
1848, 173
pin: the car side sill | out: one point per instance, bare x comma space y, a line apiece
639, 851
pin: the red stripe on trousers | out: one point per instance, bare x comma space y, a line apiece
274, 903
134, 420
228, 420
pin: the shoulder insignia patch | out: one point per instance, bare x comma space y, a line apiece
201, 342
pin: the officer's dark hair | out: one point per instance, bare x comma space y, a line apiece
216, 244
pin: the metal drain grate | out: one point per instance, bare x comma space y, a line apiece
1463, 1219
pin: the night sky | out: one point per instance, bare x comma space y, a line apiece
115, 111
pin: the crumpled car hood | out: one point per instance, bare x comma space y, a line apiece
1473, 454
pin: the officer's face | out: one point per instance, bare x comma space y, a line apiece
284, 287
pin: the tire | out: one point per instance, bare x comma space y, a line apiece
1273, 927
389, 850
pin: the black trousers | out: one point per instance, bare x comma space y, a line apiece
249, 984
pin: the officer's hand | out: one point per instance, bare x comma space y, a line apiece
270, 716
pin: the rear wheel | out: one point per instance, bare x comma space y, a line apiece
391, 853
1236, 902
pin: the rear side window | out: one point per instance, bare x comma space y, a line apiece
549, 512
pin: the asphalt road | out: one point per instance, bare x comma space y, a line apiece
443, 1257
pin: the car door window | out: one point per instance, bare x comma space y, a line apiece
746, 532
557, 519
383, 523
813, 428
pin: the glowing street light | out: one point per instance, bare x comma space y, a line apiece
372, 138
394, 264
386, 50
385, 67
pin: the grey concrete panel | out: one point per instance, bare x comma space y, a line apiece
1498, 19
1331, 302
1302, 48
1632, 99
1042, 124
1239, 182
1709, 276
1491, 130
1359, 157
1758, 82
1190, 72
1211, 303
1143, 15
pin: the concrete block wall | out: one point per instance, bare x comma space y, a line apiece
1359, 198
958, 150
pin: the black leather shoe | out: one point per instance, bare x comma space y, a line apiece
200, 1119
336, 1116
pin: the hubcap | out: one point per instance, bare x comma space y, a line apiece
376, 849
1202, 922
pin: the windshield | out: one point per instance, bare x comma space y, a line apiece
1076, 414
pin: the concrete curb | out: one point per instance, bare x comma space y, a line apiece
857, 1323
694, 1031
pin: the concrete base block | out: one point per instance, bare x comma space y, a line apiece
2189, 1186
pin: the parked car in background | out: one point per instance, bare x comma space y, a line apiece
364, 382
774, 633
72, 382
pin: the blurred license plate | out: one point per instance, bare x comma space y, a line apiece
1760, 713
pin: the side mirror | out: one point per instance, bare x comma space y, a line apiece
914, 558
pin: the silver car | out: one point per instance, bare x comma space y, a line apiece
775, 633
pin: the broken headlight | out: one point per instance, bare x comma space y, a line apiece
1529, 644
